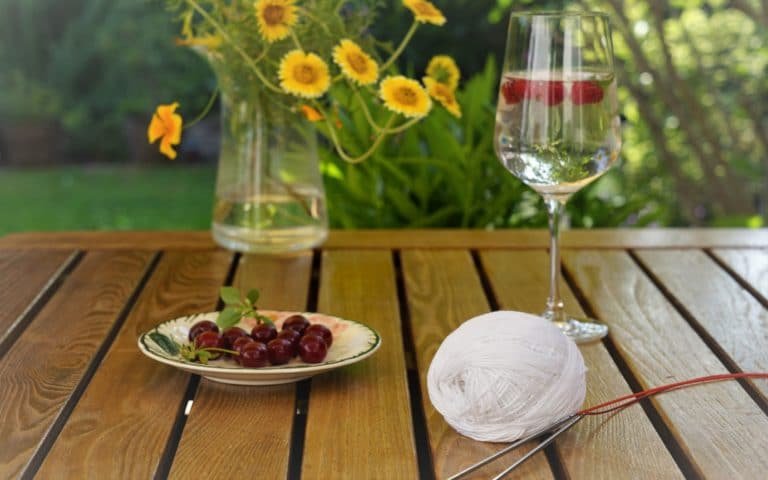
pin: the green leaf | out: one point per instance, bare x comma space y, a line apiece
230, 295
229, 317
165, 342
253, 296
264, 319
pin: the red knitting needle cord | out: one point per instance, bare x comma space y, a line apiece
627, 400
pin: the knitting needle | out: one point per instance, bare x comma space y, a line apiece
516, 444
568, 424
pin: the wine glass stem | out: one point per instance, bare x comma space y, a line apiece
555, 311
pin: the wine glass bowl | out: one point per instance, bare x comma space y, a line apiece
557, 124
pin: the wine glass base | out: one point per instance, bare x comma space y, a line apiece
583, 330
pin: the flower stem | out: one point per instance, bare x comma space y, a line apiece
234, 45
296, 40
401, 47
205, 111
377, 127
312, 17
340, 150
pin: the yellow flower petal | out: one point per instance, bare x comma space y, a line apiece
166, 125
275, 18
354, 63
304, 74
405, 96
444, 70
444, 95
425, 12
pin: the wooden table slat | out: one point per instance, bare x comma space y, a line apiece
737, 321
597, 447
408, 238
444, 290
253, 422
750, 264
40, 371
716, 425
25, 276
121, 425
361, 412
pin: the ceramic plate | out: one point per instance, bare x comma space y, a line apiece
352, 342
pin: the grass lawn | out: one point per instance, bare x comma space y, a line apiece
106, 197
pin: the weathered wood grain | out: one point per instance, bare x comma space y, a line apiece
730, 314
443, 291
623, 446
120, 426
750, 264
242, 429
41, 369
718, 426
359, 420
428, 239
24, 278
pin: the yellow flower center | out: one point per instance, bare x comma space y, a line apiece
304, 74
274, 14
357, 62
406, 96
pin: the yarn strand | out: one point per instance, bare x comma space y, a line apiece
632, 398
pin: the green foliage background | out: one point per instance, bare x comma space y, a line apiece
693, 91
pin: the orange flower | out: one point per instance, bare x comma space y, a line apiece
166, 125
311, 114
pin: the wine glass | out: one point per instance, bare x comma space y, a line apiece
557, 123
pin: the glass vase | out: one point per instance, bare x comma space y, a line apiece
269, 189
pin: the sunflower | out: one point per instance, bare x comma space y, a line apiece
425, 12
275, 18
166, 125
443, 69
304, 74
443, 94
355, 64
405, 96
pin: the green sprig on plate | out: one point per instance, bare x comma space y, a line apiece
236, 307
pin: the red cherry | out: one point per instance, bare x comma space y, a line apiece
254, 354
210, 339
312, 349
549, 92
296, 322
280, 351
321, 331
292, 336
264, 332
585, 92
231, 334
514, 90
238, 345
200, 327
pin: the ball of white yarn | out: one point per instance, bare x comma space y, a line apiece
503, 375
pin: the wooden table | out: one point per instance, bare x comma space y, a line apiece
78, 400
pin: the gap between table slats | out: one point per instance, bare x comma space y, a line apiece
28, 279
444, 289
360, 414
749, 267
717, 426
595, 448
247, 429
141, 394
735, 326
45, 370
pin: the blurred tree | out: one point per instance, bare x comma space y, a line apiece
692, 77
